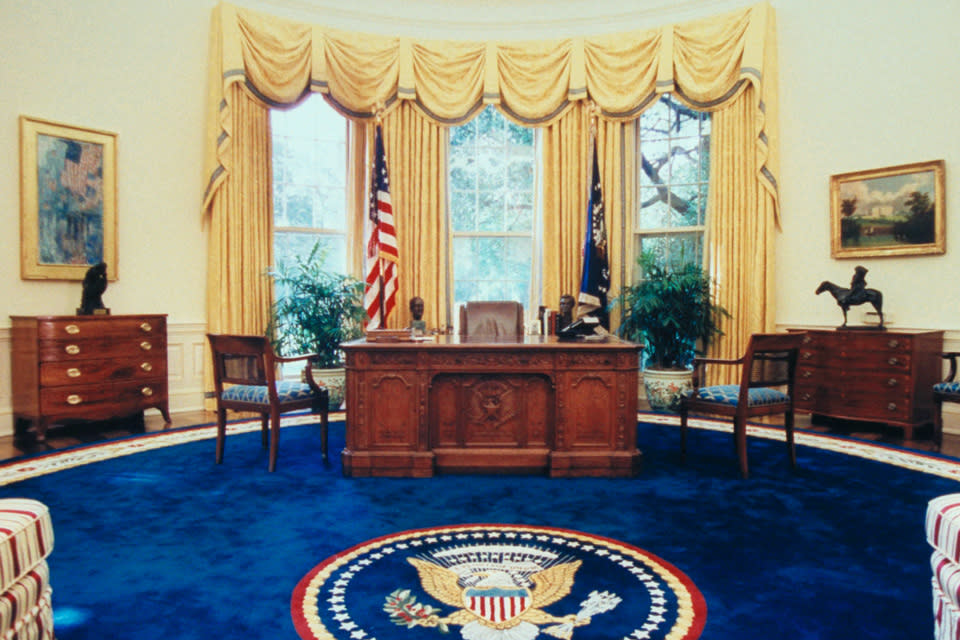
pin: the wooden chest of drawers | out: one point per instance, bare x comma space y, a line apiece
87, 368
870, 375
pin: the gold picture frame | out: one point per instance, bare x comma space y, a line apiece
68, 200
894, 211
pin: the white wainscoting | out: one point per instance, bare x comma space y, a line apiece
185, 354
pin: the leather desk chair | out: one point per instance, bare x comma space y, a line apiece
491, 318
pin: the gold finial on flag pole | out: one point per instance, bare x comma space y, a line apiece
378, 109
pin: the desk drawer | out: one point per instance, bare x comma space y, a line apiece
76, 350
89, 401
114, 327
56, 374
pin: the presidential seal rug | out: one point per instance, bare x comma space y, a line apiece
496, 582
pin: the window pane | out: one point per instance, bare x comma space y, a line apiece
492, 268
670, 249
493, 217
309, 184
674, 178
288, 245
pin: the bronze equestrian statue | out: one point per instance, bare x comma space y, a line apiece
858, 293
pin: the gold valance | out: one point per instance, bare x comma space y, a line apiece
705, 63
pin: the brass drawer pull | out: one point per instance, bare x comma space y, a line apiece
893, 344
807, 374
72, 329
893, 361
146, 346
807, 339
73, 372
72, 349
147, 392
145, 327
805, 396
892, 406
146, 366
806, 355
74, 399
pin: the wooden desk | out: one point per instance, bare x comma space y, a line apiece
517, 405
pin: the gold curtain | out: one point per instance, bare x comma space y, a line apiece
239, 294
740, 238
416, 157
706, 63
566, 167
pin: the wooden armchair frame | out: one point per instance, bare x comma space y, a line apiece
769, 364
945, 391
249, 365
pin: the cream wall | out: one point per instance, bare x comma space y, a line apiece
863, 85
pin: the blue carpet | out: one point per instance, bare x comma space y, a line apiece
164, 544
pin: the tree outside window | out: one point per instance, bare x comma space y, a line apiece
674, 143
494, 223
310, 182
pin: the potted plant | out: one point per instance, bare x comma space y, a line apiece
315, 311
671, 311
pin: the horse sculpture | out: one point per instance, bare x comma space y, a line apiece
847, 298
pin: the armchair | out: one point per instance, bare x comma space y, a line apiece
946, 391
248, 365
766, 388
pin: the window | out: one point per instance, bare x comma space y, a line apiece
494, 223
309, 182
674, 143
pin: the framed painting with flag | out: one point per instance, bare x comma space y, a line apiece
68, 200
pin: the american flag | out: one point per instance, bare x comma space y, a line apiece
595, 282
80, 161
381, 282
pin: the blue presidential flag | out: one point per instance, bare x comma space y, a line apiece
595, 282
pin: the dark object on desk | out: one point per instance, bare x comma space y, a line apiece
585, 326
94, 284
418, 325
857, 294
565, 317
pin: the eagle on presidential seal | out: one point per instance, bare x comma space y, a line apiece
496, 599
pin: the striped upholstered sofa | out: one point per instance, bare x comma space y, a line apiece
26, 539
943, 534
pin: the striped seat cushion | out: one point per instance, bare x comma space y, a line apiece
946, 615
26, 538
943, 525
287, 391
23, 605
947, 574
947, 387
729, 394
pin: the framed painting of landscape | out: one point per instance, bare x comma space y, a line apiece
894, 211
68, 200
